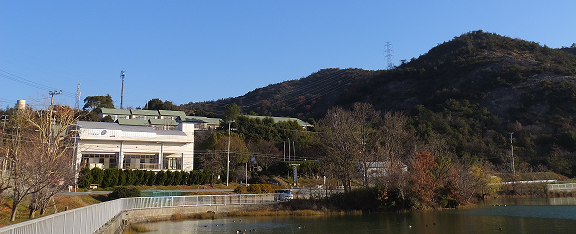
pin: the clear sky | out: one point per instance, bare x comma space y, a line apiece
190, 51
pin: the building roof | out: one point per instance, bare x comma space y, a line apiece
169, 122
201, 119
126, 128
278, 119
133, 122
172, 113
145, 112
110, 111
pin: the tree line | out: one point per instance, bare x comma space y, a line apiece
381, 152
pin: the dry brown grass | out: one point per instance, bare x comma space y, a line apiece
60, 203
180, 216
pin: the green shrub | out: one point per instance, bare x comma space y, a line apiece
110, 178
97, 175
124, 191
151, 178
177, 178
130, 177
138, 176
169, 178
122, 180
85, 178
161, 177
184, 179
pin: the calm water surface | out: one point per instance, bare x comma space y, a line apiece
518, 216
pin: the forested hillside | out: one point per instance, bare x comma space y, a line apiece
309, 97
472, 91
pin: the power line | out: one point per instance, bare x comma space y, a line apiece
27, 82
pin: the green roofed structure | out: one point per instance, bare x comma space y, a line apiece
303, 124
145, 114
201, 123
133, 122
170, 114
115, 113
163, 124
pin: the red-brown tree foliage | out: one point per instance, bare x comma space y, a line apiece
421, 178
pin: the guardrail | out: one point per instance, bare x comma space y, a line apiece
565, 187
88, 219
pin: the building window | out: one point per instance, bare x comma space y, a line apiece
173, 163
102, 161
141, 161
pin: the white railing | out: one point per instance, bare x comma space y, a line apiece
88, 219
570, 186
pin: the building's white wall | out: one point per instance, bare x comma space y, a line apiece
98, 141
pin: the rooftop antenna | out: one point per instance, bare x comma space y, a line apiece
77, 106
389, 56
122, 74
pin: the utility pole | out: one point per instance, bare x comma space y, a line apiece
228, 161
288, 149
122, 74
512, 153
3, 127
246, 175
52, 93
77, 105
294, 147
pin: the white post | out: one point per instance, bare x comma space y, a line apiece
121, 156
161, 157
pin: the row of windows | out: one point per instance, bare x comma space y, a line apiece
133, 161
140, 156
99, 155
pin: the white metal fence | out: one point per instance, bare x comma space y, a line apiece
89, 219
566, 187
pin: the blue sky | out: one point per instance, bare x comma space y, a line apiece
190, 51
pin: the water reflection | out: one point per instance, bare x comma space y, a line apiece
532, 201
524, 216
562, 201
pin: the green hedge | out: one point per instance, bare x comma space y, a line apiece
112, 177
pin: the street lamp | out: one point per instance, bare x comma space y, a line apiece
228, 162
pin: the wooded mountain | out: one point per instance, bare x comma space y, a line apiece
472, 91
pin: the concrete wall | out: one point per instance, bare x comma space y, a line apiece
125, 218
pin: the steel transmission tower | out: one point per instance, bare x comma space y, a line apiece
389, 56
122, 74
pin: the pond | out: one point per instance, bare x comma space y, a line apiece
554, 215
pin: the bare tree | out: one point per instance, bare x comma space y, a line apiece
213, 163
41, 155
346, 139
368, 121
398, 144
267, 153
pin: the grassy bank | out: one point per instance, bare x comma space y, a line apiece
59, 204
63, 202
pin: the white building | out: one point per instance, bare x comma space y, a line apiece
111, 145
